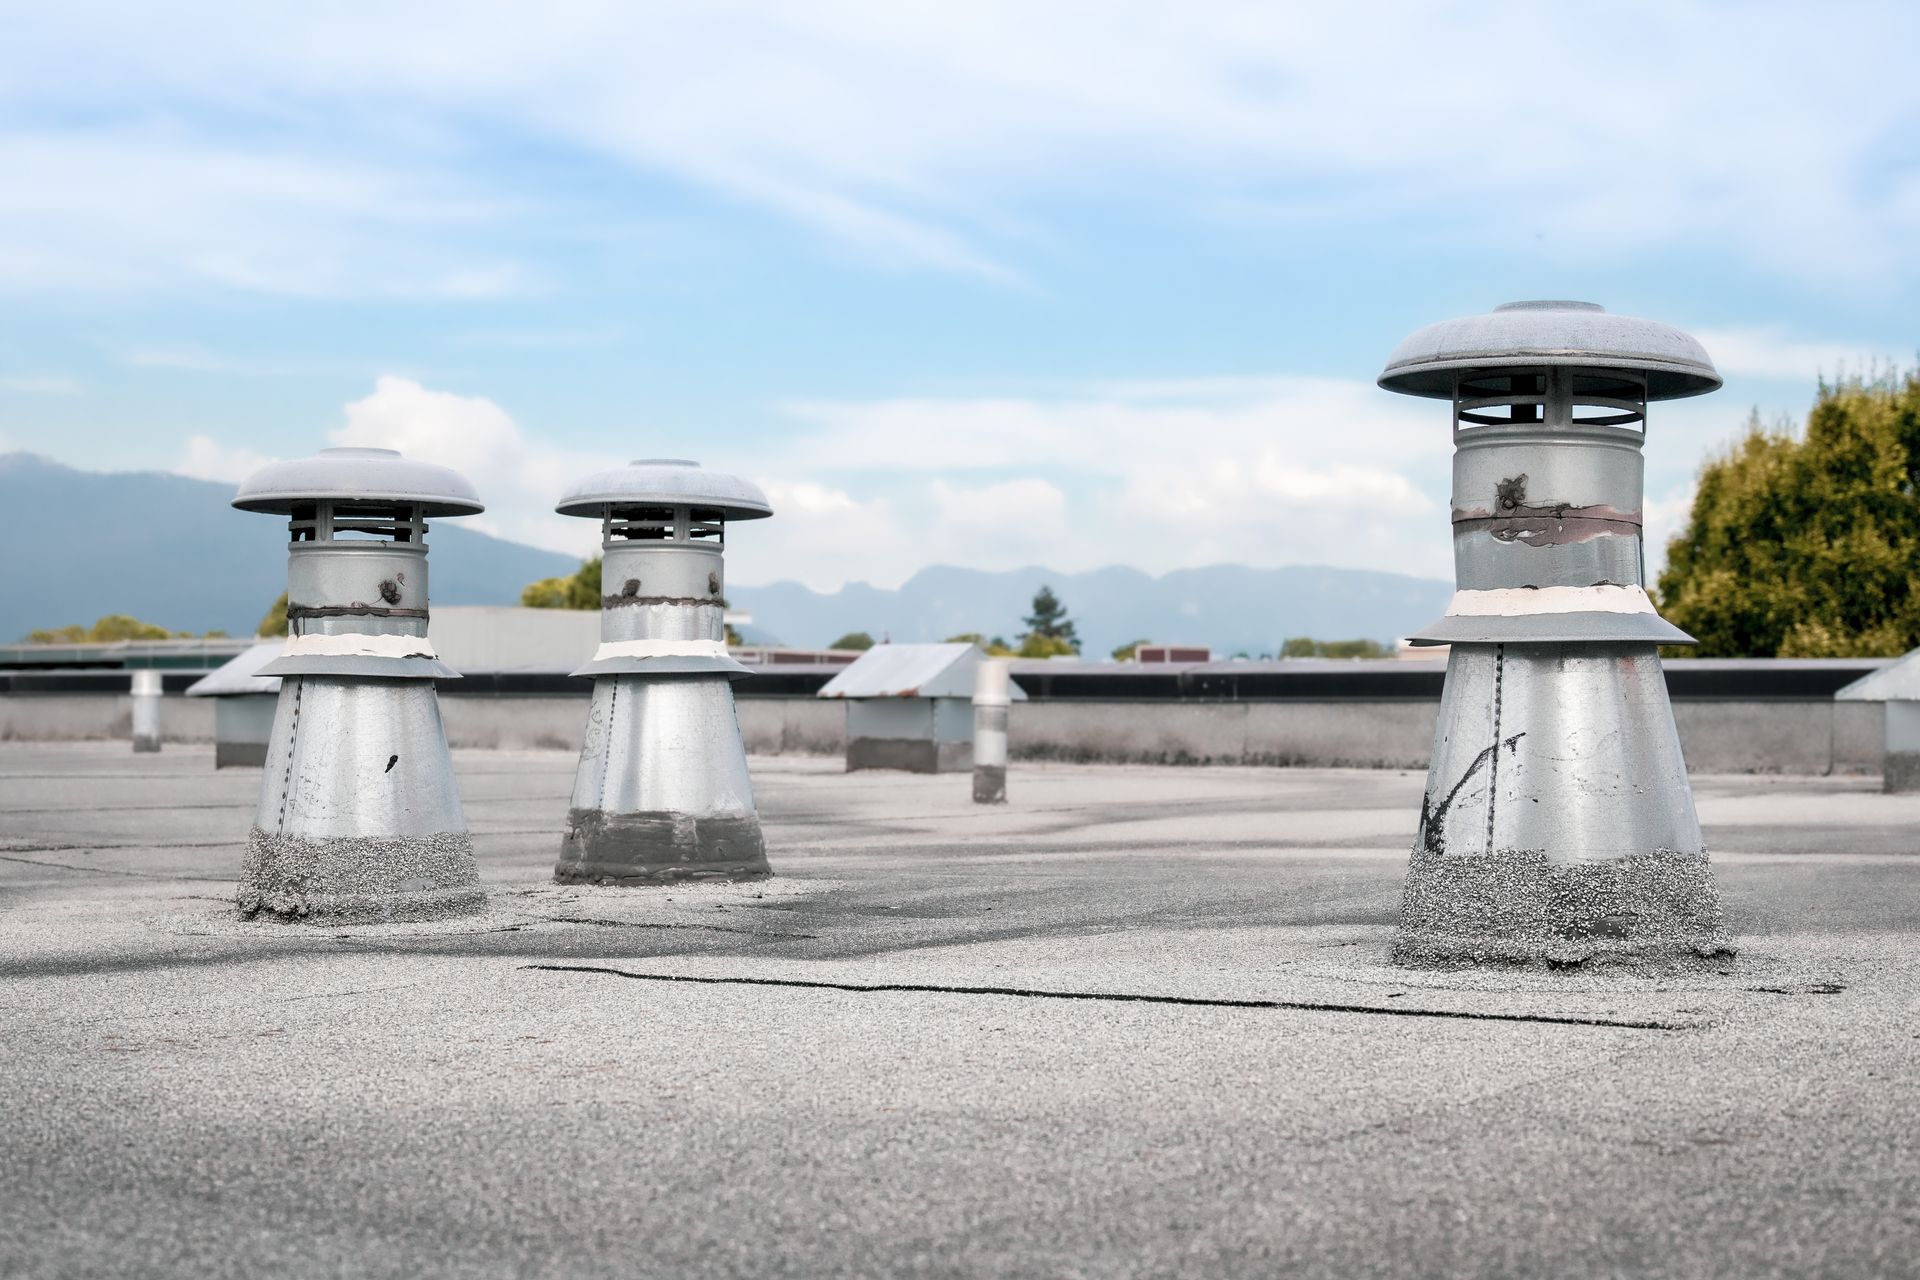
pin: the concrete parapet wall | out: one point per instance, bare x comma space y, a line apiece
1785, 736
1810, 736
768, 726
74, 717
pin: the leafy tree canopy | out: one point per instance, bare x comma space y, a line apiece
1048, 622
1808, 547
275, 621
581, 590
108, 630
853, 640
997, 647
1308, 647
1127, 651
1035, 645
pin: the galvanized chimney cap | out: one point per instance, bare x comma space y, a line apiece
666, 482
358, 475
1530, 334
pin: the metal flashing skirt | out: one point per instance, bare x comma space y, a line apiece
662, 793
1558, 825
359, 819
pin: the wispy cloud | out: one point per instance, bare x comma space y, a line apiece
1771, 353
207, 459
331, 148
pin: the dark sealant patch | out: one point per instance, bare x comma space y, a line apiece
359, 880
990, 784
624, 600
659, 848
1433, 818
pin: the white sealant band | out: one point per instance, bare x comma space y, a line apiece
1520, 602
358, 646
661, 649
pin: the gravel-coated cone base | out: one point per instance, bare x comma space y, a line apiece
1653, 910
360, 880
990, 784
659, 848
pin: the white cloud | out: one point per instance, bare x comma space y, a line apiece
208, 459
1158, 475
519, 478
151, 208
1770, 353
875, 492
935, 133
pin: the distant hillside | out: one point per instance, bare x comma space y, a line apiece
1229, 607
169, 550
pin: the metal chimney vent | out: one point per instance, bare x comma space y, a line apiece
359, 818
662, 792
1558, 824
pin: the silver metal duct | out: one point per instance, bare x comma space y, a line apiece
359, 818
662, 792
145, 691
990, 706
1558, 823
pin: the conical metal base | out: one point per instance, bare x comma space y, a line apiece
662, 793
1558, 824
359, 818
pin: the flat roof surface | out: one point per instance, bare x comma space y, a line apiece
1137, 1022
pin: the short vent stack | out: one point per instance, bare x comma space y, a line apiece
359, 818
662, 793
1558, 825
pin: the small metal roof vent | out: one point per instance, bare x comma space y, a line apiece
1527, 335
666, 482
1898, 681
358, 475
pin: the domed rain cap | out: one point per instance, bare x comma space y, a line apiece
1520, 335
358, 475
666, 482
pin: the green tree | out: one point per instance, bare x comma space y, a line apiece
579, 590
275, 621
853, 640
995, 648
1810, 546
110, 629
1308, 647
1035, 645
1127, 651
1048, 622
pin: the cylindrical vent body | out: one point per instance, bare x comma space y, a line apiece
662, 793
1558, 825
145, 688
991, 703
359, 818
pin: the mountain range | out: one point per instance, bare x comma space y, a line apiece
1230, 608
170, 550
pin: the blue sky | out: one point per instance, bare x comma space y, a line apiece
985, 284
